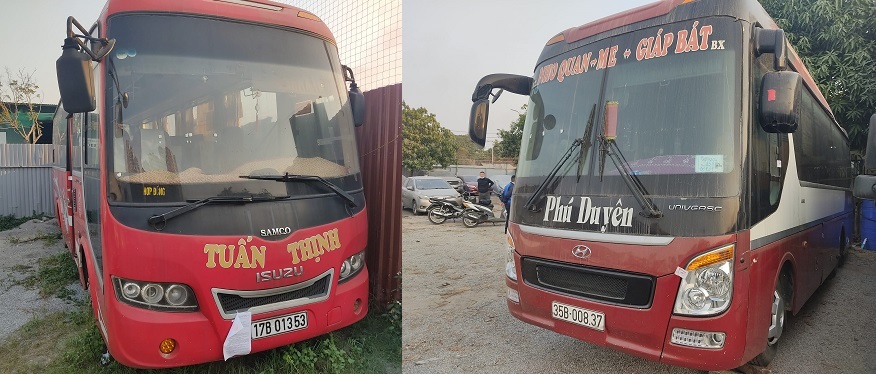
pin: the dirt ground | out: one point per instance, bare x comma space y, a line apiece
20, 248
455, 318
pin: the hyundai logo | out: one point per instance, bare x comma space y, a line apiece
581, 251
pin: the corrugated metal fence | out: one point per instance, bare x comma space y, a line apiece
380, 154
26, 179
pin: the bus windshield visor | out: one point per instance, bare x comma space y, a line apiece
667, 97
193, 104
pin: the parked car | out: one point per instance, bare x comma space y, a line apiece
418, 190
471, 184
455, 182
500, 180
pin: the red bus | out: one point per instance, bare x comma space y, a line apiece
209, 189
696, 190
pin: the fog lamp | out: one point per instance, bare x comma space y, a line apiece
698, 339
513, 295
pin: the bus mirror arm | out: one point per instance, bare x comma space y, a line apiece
357, 98
106, 45
480, 109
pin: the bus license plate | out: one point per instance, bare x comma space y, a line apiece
584, 317
279, 325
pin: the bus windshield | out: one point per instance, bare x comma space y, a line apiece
678, 113
194, 103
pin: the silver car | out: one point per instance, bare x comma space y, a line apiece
417, 191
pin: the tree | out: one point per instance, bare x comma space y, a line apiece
837, 42
18, 110
509, 144
424, 142
467, 152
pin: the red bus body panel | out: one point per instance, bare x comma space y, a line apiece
287, 17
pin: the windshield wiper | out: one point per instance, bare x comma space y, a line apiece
586, 146
584, 143
164, 217
530, 204
632, 181
306, 178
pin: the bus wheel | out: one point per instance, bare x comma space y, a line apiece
777, 326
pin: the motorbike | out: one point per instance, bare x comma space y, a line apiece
443, 208
476, 214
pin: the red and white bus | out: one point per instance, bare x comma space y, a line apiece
208, 186
682, 184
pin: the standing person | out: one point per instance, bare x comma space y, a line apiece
506, 193
506, 199
485, 185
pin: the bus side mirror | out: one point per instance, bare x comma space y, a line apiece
865, 185
772, 41
780, 95
75, 80
357, 104
477, 121
870, 155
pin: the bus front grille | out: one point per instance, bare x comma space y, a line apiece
603, 285
315, 290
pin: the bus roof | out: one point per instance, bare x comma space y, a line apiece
258, 11
667, 11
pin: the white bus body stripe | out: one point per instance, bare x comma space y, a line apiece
799, 205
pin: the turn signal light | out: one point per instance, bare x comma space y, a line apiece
167, 346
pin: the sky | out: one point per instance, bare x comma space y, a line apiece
450, 45
33, 32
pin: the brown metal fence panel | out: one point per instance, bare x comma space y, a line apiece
26, 179
380, 157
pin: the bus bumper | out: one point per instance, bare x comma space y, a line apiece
646, 332
134, 334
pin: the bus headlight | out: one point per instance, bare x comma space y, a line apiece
167, 297
510, 267
707, 287
352, 265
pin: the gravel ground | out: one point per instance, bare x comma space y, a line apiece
455, 318
22, 247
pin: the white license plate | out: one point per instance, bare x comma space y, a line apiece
279, 325
584, 317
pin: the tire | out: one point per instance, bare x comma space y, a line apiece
434, 217
778, 317
470, 218
843, 251
414, 207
